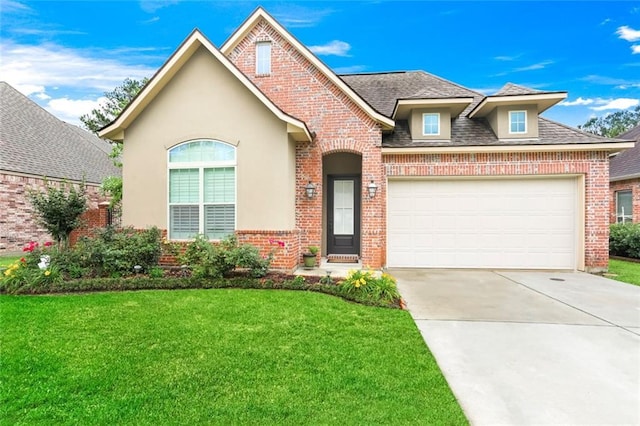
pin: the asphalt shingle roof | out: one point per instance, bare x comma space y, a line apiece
32, 141
383, 90
514, 89
627, 163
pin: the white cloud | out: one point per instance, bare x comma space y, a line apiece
619, 83
620, 103
538, 66
13, 6
579, 101
295, 16
628, 33
70, 110
43, 96
335, 47
635, 49
31, 69
507, 57
25, 88
151, 6
151, 20
600, 104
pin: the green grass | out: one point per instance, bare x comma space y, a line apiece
7, 260
628, 272
225, 356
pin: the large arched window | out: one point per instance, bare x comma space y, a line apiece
202, 189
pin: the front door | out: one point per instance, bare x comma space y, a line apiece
343, 214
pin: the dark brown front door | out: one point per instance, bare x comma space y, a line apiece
343, 214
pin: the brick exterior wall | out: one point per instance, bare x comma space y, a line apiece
340, 125
593, 165
17, 226
632, 185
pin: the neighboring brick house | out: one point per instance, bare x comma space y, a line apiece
34, 144
624, 181
400, 169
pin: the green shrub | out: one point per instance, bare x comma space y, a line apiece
169, 283
624, 240
114, 252
367, 286
217, 260
156, 272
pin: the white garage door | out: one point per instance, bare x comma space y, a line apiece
482, 223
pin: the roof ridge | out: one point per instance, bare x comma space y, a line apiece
450, 82
373, 73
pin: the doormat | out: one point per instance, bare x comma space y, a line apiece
342, 258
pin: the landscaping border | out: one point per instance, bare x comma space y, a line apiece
273, 282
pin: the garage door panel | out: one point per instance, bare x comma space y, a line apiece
491, 223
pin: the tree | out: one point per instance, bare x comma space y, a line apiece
612, 125
59, 210
117, 101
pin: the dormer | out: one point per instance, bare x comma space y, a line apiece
430, 119
513, 112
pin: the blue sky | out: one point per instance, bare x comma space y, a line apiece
66, 54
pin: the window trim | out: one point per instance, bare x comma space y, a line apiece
268, 58
201, 166
621, 218
437, 115
511, 113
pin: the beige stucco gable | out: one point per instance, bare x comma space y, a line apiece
204, 100
196, 41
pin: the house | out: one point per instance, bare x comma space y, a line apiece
400, 169
33, 145
624, 181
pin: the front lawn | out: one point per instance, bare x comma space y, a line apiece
628, 272
5, 261
224, 356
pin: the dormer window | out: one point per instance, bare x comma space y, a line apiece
431, 124
517, 122
263, 58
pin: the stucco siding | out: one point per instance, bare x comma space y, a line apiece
205, 101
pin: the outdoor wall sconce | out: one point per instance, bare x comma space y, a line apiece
372, 187
310, 190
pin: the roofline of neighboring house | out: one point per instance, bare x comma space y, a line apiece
115, 129
625, 177
249, 23
609, 146
49, 178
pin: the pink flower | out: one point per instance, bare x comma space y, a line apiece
48, 244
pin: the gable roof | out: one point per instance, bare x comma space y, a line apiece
512, 94
514, 89
383, 90
260, 14
626, 165
34, 142
115, 130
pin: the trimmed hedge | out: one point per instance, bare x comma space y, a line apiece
173, 283
624, 240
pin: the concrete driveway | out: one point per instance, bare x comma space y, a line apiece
531, 347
